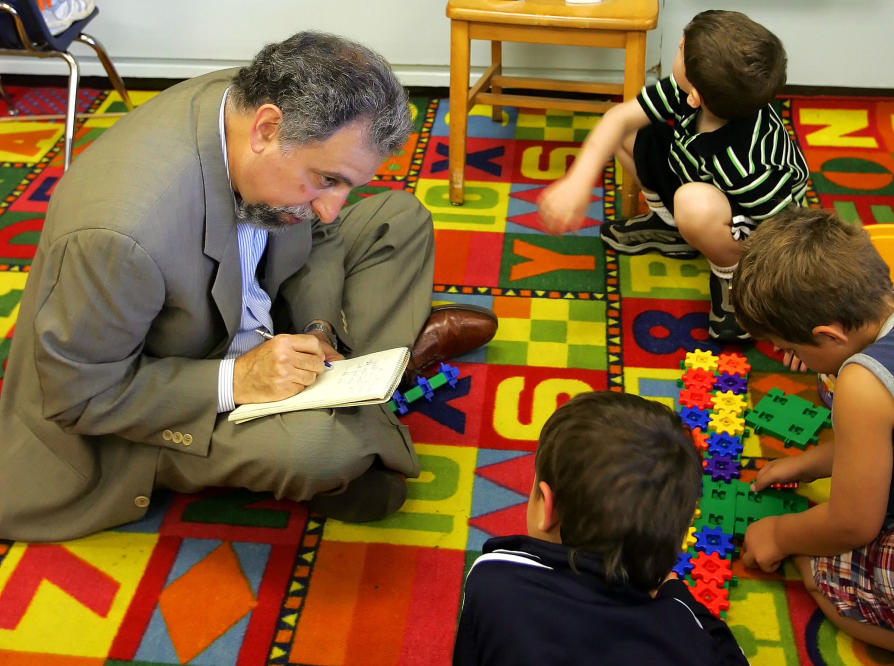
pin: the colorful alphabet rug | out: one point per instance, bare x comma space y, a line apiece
230, 577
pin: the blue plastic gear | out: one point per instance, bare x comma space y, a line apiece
684, 564
713, 540
724, 444
695, 417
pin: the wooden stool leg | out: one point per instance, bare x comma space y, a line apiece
634, 77
459, 107
496, 58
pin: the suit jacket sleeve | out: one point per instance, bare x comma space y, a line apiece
91, 333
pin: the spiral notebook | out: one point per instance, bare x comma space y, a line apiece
363, 380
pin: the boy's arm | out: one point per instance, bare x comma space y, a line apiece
563, 204
813, 464
861, 477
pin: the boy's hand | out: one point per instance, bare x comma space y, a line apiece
760, 548
791, 360
563, 205
781, 470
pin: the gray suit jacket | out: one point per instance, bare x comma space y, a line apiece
133, 297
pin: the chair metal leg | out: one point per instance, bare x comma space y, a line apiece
74, 75
11, 107
111, 72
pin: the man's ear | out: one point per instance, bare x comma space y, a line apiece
265, 127
833, 333
549, 519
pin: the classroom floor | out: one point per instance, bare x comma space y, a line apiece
231, 577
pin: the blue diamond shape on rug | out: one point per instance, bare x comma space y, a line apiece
522, 215
479, 124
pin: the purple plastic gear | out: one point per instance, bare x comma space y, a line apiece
713, 540
721, 468
727, 382
724, 444
695, 417
684, 564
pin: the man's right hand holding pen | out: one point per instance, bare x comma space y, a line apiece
281, 366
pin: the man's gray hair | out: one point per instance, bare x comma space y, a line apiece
322, 82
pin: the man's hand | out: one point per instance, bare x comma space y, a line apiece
760, 548
563, 205
279, 368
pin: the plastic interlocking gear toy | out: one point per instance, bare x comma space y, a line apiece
698, 379
425, 388
727, 422
695, 417
727, 382
700, 358
696, 398
734, 364
715, 599
712, 569
792, 419
727, 401
713, 540
683, 565
722, 468
724, 444
700, 439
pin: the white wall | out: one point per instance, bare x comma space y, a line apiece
829, 42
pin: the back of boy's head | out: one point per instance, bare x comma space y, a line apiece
804, 268
626, 477
737, 65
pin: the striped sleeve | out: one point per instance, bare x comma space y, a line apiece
662, 100
769, 176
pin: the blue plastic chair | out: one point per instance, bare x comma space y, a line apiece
23, 32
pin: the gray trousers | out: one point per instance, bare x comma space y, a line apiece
389, 264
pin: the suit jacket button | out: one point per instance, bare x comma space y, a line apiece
178, 437
187, 439
167, 435
141, 501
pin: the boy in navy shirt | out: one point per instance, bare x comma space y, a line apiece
616, 483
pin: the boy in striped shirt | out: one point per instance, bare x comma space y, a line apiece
709, 151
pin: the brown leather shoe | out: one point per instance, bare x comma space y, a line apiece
451, 330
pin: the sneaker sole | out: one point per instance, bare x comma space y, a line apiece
673, 251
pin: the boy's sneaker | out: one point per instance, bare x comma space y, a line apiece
643, 233
722, 323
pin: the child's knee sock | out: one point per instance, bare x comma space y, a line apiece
656, 205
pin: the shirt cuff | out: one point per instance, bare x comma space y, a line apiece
225, 401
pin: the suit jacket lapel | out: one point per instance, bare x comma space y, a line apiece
221, 243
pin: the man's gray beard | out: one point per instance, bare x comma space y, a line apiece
267, 217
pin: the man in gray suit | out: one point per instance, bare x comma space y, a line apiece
209, 213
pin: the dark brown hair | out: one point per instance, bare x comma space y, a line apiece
737, 65
805, 268
626, 478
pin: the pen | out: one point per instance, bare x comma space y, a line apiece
267, 335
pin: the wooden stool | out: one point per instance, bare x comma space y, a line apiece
618, 24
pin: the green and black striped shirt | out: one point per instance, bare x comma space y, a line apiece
753, 160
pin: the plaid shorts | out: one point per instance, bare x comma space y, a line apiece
861, 583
